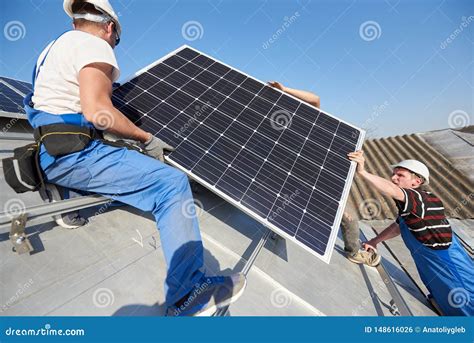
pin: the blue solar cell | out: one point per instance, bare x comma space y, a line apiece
278, 157
10, 100
313, 233
22, 86
234, 183
259, 199
210, 169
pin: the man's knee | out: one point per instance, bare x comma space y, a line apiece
180, 179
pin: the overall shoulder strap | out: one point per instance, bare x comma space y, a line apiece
37, 68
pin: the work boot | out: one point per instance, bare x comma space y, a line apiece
213, 293
71, 220
369, 258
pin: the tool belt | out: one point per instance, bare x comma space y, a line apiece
23, 171
63, 139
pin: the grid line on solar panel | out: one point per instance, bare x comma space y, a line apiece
310, 196
220, 158
286, 98
214, 181
204, 120
221, 149
216, 107
244, 124
21, 86
266, 90
10, 100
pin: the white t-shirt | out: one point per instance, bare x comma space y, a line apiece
57, 85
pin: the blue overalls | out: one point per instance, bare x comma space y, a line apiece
139, 181
448, 274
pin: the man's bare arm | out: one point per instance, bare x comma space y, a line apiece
390, 232
382, 185
95, 86
305, 96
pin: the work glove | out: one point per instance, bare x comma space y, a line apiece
155, 148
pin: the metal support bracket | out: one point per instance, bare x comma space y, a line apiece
18, 237
248, 264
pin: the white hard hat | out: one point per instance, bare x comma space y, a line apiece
416, 167
101, 5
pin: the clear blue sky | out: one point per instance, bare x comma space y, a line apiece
401, 75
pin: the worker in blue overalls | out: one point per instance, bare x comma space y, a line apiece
443, 264
69, 108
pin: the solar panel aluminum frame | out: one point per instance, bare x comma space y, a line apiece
326, 257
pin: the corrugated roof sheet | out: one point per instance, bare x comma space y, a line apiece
447, 180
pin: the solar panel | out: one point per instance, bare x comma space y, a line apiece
12, 93
22, 86
275, 157
10, 101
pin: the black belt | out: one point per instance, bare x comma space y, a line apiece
63, 139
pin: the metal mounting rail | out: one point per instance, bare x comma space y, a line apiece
248, 265
36, 214
399, 306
